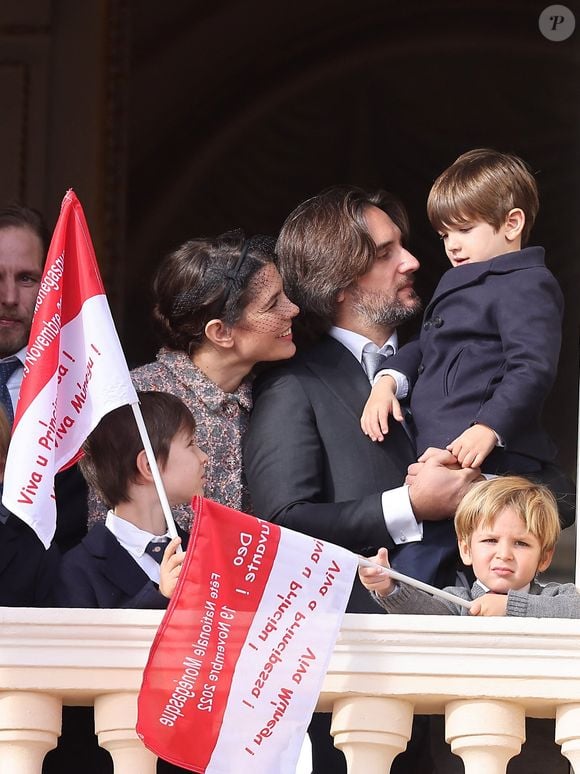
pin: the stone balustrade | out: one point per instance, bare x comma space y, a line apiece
485, 675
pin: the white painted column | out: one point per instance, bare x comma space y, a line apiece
568, 733
30, 724
485, 734
371, 731
115, 721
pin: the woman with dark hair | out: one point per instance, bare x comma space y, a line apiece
220, 308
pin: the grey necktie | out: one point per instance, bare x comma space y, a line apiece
156, 548
6, 370
373, 362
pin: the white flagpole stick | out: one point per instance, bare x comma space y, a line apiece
171, 528
417, 583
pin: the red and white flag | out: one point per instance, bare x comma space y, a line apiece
75, 372
237, 664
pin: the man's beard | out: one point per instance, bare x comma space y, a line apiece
378, 308
13, 341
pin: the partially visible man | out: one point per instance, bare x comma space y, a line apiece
22, 251
343, 259
24, 241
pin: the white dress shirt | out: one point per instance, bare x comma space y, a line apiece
15, 380
134, 541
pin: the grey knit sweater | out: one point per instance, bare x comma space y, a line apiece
553, 600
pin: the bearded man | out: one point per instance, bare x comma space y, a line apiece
343, 260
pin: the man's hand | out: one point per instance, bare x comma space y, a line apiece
490, 604
473, 446
170, 568
374, 421
435, 488
373, 579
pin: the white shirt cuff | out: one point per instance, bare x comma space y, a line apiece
399, 516
400, 380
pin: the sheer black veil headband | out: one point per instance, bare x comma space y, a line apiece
189, 298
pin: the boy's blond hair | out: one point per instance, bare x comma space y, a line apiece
535, 505
484, 184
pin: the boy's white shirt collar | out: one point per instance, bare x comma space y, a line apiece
356, 343
133, 539
525, 589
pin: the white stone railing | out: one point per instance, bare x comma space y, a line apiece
485, 675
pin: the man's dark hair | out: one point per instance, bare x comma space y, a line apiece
19, 216
324, 245
110, 451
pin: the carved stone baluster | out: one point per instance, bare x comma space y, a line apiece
115, 721
485, 733
371, 731
568, 733
30, 724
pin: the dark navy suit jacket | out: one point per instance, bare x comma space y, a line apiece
99, 572
310, 467
27, 571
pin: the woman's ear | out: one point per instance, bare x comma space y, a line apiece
142, 465
514, 224
219, 333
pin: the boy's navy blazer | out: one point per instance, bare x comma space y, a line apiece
99, 572
488, 352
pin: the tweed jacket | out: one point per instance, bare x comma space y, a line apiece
221, 420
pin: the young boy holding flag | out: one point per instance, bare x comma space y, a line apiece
507, 529
130, 561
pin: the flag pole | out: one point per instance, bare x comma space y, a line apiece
171, 528
433, 590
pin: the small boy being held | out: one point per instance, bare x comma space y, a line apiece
488, 350
130, 561
507, 529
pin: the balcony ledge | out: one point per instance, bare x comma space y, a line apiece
429, 660
484, 674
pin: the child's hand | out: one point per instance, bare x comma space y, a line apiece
382, 402
170, 568
373, 579
473, 445
440, 457
490, 604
